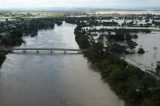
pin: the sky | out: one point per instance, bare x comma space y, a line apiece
80, 3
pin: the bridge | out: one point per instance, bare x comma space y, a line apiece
5, 49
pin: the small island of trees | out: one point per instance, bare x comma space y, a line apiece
141, 51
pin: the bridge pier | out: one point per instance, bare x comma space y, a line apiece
64, 51
51, 51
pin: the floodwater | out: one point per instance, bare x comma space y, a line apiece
118, 27
128, 12
3, 19
151, 44
56, 79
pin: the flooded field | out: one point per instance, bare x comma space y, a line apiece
148, 42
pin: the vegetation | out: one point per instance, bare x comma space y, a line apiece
2, 58
130, 83
81, 38
121, 30
29, 14
158, 67
141, 51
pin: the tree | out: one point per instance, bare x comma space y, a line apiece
141, 51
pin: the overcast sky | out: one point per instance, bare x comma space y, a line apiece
80, 3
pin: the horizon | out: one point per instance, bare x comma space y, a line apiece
98, 4
78, 9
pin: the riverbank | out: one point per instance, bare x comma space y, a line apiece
2, 58
12, 32
135, 87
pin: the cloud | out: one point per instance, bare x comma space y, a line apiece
79, 3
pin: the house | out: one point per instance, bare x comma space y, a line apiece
130, 51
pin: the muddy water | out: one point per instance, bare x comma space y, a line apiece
46, 79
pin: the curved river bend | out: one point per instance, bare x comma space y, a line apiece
52, 80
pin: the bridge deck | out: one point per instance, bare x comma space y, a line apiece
57, 49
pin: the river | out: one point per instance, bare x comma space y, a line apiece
57, 79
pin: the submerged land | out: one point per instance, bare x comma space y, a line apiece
112, 44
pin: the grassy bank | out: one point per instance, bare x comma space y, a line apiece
2, 58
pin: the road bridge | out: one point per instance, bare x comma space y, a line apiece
2, 49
